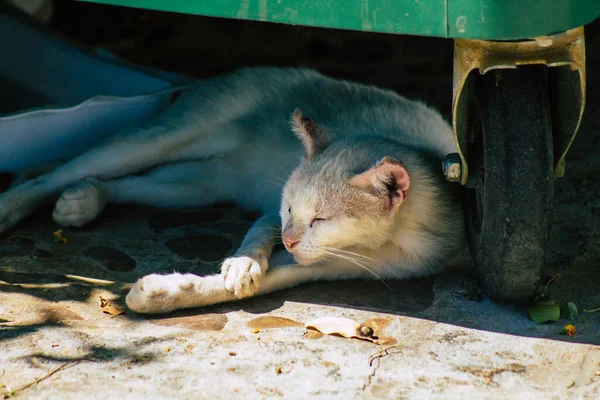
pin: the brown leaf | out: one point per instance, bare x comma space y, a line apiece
58, 237
341, 327
108, 307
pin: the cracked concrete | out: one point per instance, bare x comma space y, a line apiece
453, 342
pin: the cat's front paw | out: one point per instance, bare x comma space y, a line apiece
155, 294
81, 203
243, 274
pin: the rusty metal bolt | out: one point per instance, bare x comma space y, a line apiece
452, 167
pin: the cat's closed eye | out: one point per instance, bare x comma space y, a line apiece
316, 220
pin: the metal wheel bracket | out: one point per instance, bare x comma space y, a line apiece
564, 52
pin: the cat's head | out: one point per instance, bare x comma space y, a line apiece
339, 197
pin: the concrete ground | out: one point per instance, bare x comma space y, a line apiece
444, 339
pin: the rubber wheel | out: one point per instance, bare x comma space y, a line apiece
509, 195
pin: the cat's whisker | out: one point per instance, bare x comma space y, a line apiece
363, 267
279, 185
278, 177
352, 260
351, 253
286, 172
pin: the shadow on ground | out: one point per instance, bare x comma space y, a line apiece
47, 273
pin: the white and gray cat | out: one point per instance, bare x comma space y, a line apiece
365, 197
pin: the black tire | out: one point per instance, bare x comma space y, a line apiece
510, 192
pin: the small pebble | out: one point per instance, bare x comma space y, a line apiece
232, 353
365, 331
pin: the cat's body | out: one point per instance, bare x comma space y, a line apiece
367, 200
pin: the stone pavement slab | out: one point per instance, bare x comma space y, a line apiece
446, 340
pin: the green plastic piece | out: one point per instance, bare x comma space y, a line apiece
517, 19
427, 17
478, 19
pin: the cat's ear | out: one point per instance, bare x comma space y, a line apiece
313, 137
388, 180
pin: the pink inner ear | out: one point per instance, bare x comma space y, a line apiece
377, 181
397, 170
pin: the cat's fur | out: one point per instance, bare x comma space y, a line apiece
367, 199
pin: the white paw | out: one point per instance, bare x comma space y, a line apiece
81, 203
154, 294
243, 275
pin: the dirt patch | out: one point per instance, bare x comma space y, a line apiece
488, 373
458, 337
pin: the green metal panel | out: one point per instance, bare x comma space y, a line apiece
517, 19
478, 19
418, 17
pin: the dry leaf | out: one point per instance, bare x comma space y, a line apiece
342, 327
58, 237
569, 330
109, 307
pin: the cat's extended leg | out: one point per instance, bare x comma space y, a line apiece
129, 153
191, 184
155, 294
245, 274
123, 155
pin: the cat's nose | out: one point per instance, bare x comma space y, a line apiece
290, 243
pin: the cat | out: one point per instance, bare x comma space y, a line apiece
365, 196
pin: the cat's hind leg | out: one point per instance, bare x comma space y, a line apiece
129, 153
81, 203
125, 154
190, 184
